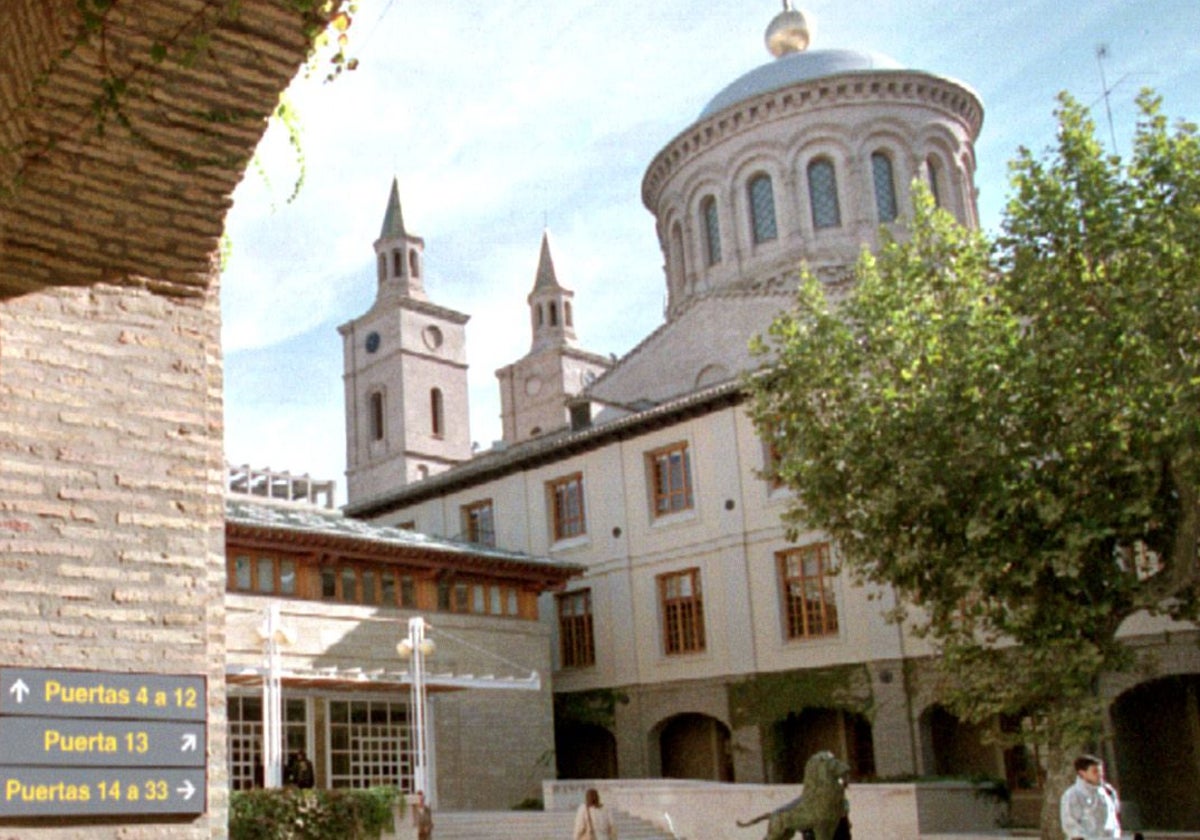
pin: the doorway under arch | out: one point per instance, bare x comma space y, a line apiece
695, 746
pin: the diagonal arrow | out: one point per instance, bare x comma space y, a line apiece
189, 742
188, 789
19, 690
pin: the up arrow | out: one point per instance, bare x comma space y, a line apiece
188, 789
189, 742
19, 690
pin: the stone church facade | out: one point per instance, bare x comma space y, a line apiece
701, 642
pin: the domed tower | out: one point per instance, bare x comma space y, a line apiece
803, 158
800, 160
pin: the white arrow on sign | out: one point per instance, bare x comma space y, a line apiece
189, 742
19, 690
188, 790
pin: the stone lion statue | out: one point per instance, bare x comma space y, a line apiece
821, 809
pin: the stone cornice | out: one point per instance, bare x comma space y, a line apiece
865, 87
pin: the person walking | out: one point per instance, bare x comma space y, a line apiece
592, 821
1089, 807
422, 817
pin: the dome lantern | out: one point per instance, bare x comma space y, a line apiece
789, 32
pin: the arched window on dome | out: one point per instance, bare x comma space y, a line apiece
823, 195
677, 270
933, 175
885, 187
762, 209
712, 230
414, 264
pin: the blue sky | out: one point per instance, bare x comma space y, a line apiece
501, 118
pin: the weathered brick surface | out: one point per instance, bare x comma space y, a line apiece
111, 527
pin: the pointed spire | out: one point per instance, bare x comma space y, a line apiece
546, 278
393, 219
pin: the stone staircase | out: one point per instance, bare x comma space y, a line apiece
531, 825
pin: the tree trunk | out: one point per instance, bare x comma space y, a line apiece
1060, 774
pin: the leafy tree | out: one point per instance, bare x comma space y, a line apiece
1007, 430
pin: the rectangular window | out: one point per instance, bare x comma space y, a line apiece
241, 573
375, 413
809, 609
262, 575
368, 744
287, 577
682, 610
576, 646
328, 583
349, 585
566, 507
245, 736
670, 479
478, 524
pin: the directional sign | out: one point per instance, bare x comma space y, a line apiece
101, 743
51, 692
71, 791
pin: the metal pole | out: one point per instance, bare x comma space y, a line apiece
272, 704
416, 638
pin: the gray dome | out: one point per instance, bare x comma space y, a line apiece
794, 68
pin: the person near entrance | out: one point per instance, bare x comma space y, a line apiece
1089, 807
422, 817
592, 821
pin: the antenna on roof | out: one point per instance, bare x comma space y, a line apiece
1101, 54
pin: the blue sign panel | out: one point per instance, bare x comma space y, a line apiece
79, 792
101, 694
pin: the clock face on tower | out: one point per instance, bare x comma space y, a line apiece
372, 342
533, 385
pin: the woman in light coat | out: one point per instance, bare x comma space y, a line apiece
592, 820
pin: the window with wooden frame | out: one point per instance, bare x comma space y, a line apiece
565, 496
478, 598
262, 574
682, 608
478, 524
576, 644
670, 479
809, 608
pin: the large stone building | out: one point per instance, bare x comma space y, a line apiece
701, 641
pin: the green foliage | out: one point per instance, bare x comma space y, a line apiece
294, 814
1008, 431
597, 707
763, 699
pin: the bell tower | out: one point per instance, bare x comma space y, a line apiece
534, 390
404, 373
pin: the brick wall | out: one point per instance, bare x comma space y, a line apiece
111, 521
111, 532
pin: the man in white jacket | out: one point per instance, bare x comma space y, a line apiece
1089, 807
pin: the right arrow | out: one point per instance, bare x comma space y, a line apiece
188, 789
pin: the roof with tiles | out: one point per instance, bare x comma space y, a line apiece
314, 525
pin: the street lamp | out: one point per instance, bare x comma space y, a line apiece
274, 634
415, 648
